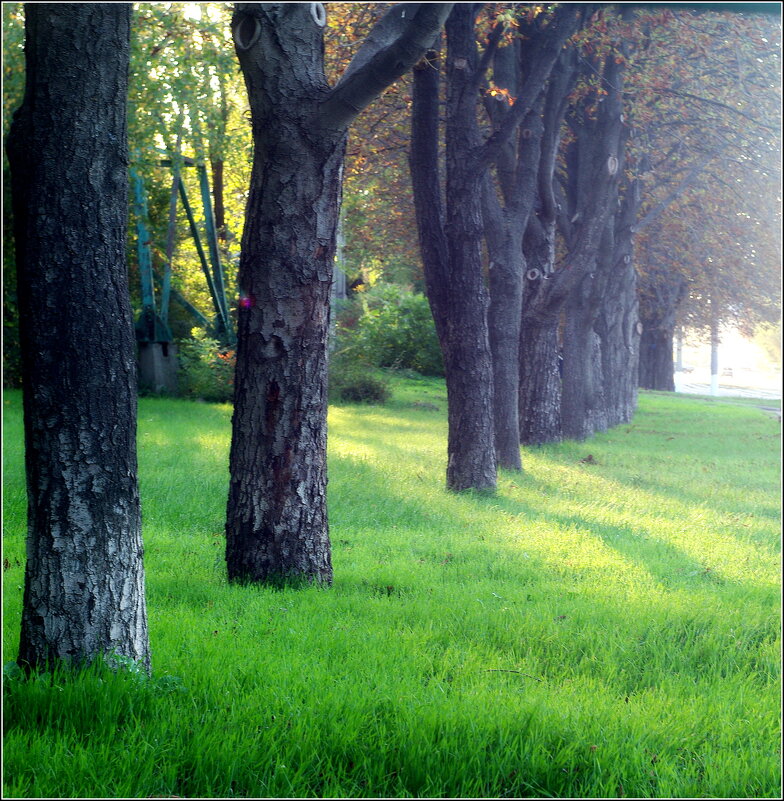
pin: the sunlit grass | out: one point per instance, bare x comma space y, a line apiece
598, 628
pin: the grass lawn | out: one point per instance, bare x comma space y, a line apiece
600, 627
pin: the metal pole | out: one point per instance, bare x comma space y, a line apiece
212, 243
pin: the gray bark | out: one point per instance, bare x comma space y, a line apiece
84, 578
595, 164
276, 527
451, 243
618, 320
540, 382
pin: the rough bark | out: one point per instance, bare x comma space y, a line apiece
618, 320
452, 250
582, 399
516, 169
656, 370
276, 527
595, 163
544, 292
537, 72
84, 578
468, 367
540, 382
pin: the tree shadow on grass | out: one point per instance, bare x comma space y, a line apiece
669, 565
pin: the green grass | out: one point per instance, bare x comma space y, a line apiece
595, 629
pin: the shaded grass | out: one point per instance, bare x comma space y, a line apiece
606, 628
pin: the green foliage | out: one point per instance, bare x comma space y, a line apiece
393, 329
13, 90
206, 368
352, 380
594, 630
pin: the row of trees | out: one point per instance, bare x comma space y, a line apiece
548, 154
598, 122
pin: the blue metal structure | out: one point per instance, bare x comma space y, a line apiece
152, 325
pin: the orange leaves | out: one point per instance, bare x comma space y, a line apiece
500, 94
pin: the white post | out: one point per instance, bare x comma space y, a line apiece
678, 374
714, 351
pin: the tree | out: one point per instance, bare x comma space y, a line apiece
84, 578
276, 528
595, 160
516, 171
185, 96
576, 197
451, 234
707, 117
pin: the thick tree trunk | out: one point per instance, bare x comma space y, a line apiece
660, 292
540, 382
469, 378
277, 515
451, 253
656, 364
516, 170
276, 522
540, 351
618, 322
620, 341
276, 525
506, 294
84, 578
583, 402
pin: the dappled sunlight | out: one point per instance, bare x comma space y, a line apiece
693, 529
217, 443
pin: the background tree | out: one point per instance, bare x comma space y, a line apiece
451, 234
705, 107
84, 578
13, 90
276, 516
185, 102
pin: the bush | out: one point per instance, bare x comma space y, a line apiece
206, 368
394, 329
353, 381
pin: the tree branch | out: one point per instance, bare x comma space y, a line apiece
546, 49
660, 207
397, 41
487, 54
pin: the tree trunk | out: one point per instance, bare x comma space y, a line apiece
84, 578
714, 352
660, 292
540, 382
656, 357
506, 304
468, 366
583, 402
276, 522
618, 321
516, 170
617, 327
452, 254
276, 527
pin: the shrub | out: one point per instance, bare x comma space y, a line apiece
394, 329
352, 380
206, 368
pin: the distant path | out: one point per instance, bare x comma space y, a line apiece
704, 389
